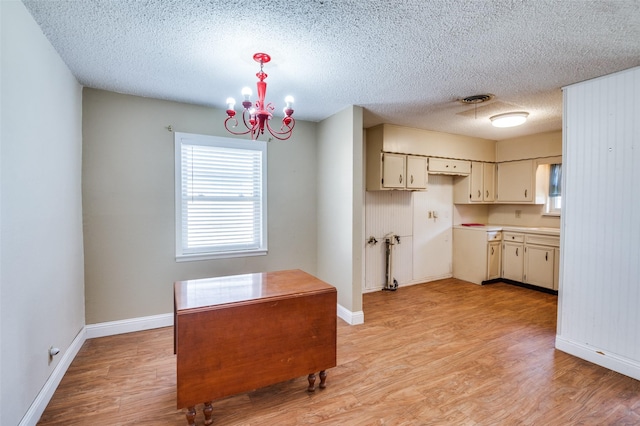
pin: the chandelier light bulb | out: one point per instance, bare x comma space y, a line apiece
246, 92
289, 101
231, 103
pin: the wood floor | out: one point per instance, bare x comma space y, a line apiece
440, 353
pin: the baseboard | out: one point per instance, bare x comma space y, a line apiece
129, 325
601, 357
46, 393
352, 318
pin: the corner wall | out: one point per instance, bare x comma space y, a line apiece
340, 209
41, 254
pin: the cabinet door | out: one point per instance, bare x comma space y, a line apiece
515, 182
393, 170
489, 181
475, 190
539, 266
416, 172
512, 261
493, 260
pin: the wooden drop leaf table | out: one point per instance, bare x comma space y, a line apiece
238, 333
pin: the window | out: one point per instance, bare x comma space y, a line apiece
220, 197
554, 198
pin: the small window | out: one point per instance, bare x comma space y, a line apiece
554, 198
220, 197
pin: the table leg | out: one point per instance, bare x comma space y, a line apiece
208, 411
191, 416
323, 379
312, 382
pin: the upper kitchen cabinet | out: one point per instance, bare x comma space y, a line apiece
478, 187
447, 166
521, 182
396, 171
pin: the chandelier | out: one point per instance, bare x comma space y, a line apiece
256, 117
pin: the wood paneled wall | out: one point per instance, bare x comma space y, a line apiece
600, 290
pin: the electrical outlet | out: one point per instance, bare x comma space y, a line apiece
518, 213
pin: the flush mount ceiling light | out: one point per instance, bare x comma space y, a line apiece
509, 119
256, 117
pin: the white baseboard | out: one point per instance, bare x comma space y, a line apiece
601, 357
129, 325
46, 393
352, 318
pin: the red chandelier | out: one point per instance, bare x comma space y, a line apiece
256, 117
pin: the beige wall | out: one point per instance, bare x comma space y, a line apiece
41, 263
128, 202
340, 205
541, 145
547, 144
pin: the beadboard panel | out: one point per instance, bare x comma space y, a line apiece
599, 294
424, 252
388, 212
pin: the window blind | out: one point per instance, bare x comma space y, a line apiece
555, 180
221, 197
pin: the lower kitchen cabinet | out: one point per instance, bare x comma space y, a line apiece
476, 253
494, 252
513, 260
539, 266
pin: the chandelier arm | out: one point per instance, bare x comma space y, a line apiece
226, 126
283, 135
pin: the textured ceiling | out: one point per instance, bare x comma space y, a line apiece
406, 62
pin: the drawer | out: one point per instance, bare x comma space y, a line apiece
510, 236
543, 240
494, 236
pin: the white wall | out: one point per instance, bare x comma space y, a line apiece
598, 315
340, 208
128, 201
41, 266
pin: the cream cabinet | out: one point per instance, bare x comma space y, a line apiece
396, 171
494, 258
476, 253
540, 265
478, 187
448, 166
416, 172
513, 256
515, 182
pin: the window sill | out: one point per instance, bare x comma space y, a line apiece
551, 214
214, 256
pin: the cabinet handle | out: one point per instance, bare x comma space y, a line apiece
516, 251
546, 256
411, 178
525, 193
491, 250
479, 193
487, 194
400, 179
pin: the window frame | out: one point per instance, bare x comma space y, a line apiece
550, 203
182, 253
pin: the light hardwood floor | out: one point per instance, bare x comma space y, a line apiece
441, 353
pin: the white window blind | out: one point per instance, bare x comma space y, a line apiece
220, 197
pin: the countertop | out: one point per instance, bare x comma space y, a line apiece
509, 228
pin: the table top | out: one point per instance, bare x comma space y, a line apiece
208, 292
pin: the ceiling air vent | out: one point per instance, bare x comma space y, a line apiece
476, 99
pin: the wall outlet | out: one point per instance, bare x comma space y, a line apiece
518, 213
